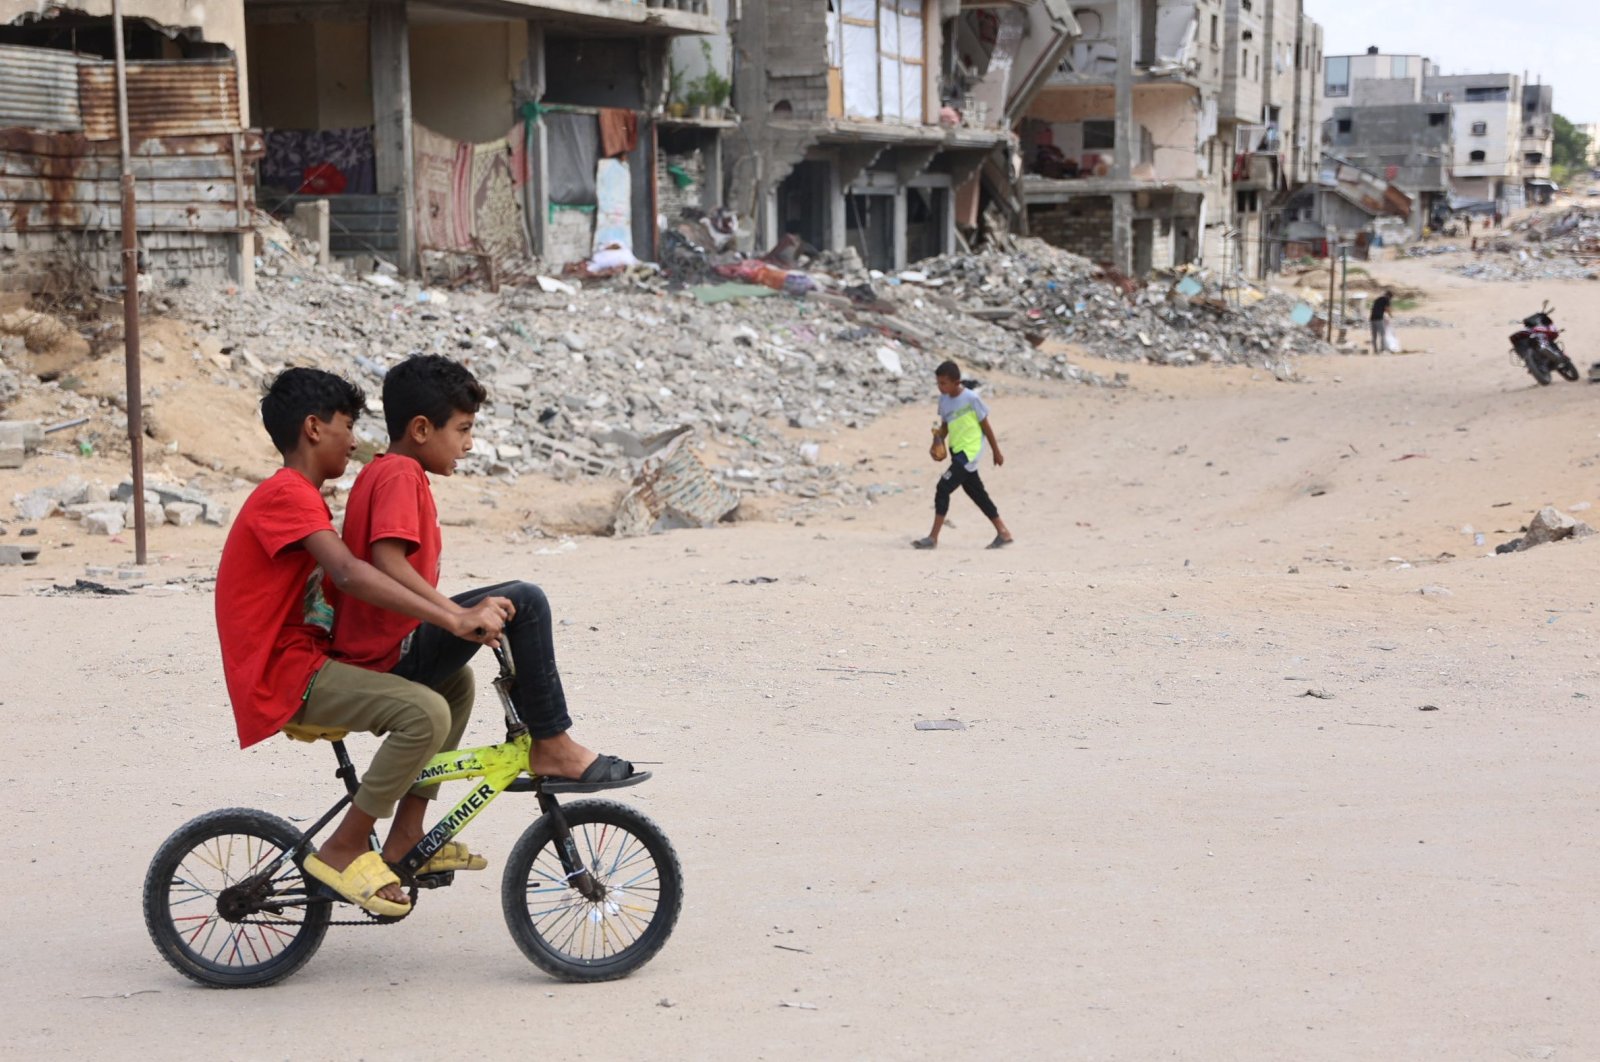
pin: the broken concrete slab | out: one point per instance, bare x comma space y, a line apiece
672, 490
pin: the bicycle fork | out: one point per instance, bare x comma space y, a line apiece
578, 875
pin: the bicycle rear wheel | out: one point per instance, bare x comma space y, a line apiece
216, 918
571, 936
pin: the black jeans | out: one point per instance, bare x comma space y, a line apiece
958, 476
435, 654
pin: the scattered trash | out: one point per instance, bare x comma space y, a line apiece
797, 1006
1321, 695
940, 724
1427, 707
755, 580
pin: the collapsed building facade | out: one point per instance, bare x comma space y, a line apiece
872, 124
192, 149
1171, 128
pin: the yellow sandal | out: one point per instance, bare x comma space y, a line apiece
360, 882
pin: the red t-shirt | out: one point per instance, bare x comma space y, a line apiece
391, 499
271, 617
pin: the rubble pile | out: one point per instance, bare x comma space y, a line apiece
582, 378
106, 511
1176, 318
1559, 245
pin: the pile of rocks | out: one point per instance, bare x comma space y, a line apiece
103, 510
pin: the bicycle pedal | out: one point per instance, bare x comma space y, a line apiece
439, 880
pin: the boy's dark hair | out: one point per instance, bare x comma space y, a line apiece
949, 370
296, 394
428, 385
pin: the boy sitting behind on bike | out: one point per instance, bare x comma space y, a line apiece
272, 624
429, 405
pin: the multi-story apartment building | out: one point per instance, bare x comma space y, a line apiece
1209, 136
1486, 115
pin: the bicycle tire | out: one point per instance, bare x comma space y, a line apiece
614, 841
182, 914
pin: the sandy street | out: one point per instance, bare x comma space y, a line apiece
1149, 841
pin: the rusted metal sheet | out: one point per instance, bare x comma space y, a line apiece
39, 89
65, 181
180, 98
673, 489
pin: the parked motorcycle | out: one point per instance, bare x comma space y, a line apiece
1538, 346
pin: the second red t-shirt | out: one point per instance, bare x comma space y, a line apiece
391, 499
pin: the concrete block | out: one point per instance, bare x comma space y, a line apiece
18, 554
183, 514
104, 522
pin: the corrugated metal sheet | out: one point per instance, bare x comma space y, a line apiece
39, 89
181, 98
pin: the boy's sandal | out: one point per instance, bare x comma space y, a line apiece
924, 543
453, 855
1000, 543
360, 882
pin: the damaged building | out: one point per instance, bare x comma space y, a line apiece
1169, 130
874, 124
193, 152
490, 131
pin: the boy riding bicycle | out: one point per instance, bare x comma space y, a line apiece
429, 406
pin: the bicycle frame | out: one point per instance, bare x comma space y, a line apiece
501, 767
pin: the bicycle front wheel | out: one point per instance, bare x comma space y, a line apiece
215, 915
576, 938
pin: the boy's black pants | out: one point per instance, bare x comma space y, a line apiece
433, 654
958, 476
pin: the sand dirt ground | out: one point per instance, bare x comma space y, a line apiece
1148, 842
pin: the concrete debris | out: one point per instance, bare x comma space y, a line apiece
18, 555
1551, 525
580, 371
673, 489
104, 511
1176, 318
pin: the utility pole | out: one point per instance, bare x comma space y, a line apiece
130, 292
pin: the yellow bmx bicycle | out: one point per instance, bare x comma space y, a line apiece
591, 891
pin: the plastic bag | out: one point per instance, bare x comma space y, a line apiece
1391, 342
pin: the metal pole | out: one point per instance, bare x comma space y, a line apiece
130, 292
1332, 276
1344, 290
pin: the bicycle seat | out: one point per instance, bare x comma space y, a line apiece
303, 732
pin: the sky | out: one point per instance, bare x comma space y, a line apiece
1557, 42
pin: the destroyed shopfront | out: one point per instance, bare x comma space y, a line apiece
486, 132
